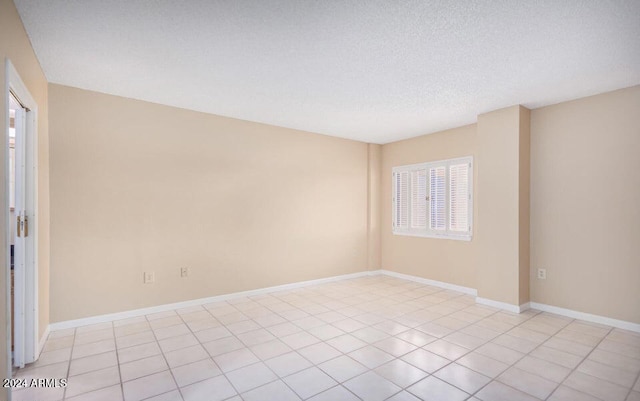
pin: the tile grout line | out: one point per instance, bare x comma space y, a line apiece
169, 368
490, 341
89, 356
278, 378
292, 321
118, 360
394, 336
391, 336
369, 370
404, 388
580, 363
365, 297
474, 350
296, 351
615, 367
164, 358
73, 345
470, 350
454, 331
199, 343
631, 390
222, 372
135, 360
542, 344
529, 354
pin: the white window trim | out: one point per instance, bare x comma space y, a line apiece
427, 233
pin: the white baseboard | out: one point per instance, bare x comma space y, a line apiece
621, 324
201, 301
440, 284
503, 305
466, 290
43, 340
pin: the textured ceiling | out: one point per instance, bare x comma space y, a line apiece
375, 71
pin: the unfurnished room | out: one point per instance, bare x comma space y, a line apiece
288, 200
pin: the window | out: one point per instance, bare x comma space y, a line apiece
434, 199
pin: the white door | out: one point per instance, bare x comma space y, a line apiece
22, 180
21, 232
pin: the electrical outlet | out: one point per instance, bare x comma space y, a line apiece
184, 272
542, 274
149, 277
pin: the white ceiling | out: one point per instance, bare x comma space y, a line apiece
374, 71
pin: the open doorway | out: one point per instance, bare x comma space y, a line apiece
21, 184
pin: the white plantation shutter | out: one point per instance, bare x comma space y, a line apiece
459, 197
434, 199
419, 199
401, 218
437, 192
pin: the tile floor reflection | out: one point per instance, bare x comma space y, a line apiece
373, 338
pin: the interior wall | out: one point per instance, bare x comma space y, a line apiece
139, 187
565, 135
15, 46
524, 206
498, 220
585, 197
450, 261
375, 171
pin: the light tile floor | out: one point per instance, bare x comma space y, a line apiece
374, 338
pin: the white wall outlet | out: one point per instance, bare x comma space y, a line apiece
542, 274
184, 272
149, 277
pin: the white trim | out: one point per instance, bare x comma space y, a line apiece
14, 84
18, 86
434, 162
455, 237
261, 291
621, 324
32, 293
43, 340
6, 203
201, 301
503, 305
440, 284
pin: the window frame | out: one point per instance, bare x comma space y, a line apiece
427, 232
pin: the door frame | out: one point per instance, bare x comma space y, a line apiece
14, 85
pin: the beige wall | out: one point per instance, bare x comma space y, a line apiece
15, 45
497, 219
445, 260
524, 206
496, 260
113, 186
585, 204
500, 211
373, 202
142, 187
